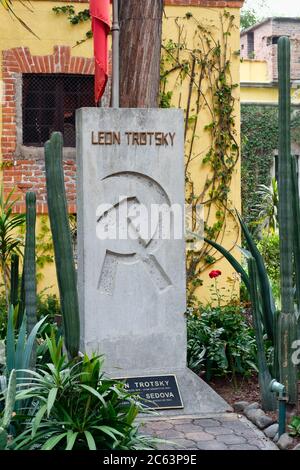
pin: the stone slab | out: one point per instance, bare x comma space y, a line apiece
132, 291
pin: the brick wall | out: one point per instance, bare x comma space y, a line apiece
265, 50
28, 173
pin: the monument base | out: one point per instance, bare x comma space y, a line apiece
197, 396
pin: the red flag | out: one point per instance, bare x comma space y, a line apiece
100, 14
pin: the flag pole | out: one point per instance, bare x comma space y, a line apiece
115, 89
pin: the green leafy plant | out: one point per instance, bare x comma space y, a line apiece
9, 397
268, 207
294, 427
220, 342
74, 407
10, 242
19, 346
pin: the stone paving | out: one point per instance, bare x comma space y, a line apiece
228, 431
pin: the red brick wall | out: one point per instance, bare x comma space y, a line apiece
29, 174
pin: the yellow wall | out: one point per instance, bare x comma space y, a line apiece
261, 90
211, 17
55, 30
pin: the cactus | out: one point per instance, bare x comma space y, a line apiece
29, 262
8, 409
14, 280
65, 268
21, 309
287, 323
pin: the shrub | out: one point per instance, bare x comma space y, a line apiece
74, 407
220, 342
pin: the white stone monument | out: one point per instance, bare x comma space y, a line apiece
131, 246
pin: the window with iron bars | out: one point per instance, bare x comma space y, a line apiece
49, 102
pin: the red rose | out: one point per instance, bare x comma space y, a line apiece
215, 273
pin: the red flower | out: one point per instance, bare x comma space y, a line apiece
215, 273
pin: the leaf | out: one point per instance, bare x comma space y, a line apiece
37, 420
265, 288
71, 438
112, 432
51, 399
90, 440
21, 345
30, 343
53, 441
95, 393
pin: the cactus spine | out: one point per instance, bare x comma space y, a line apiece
29, 262
287, 324
14, 280
65, 268
8, 409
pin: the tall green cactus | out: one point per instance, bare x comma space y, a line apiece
29, 262
8, 409
14, 280
287, 323
65, 268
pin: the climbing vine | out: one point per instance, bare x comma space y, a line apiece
205, 71
74, 18
259, 128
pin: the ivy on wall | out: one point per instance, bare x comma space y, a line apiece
259, 130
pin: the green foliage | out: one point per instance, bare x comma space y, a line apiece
19, 346
10, 242
75, 18
248, 18
220, 342
9, 397
268, 207
268, 245
259, 129
75, 408
294, 427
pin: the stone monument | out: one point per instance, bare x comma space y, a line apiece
131, 246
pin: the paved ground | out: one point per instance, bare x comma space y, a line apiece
226, 431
